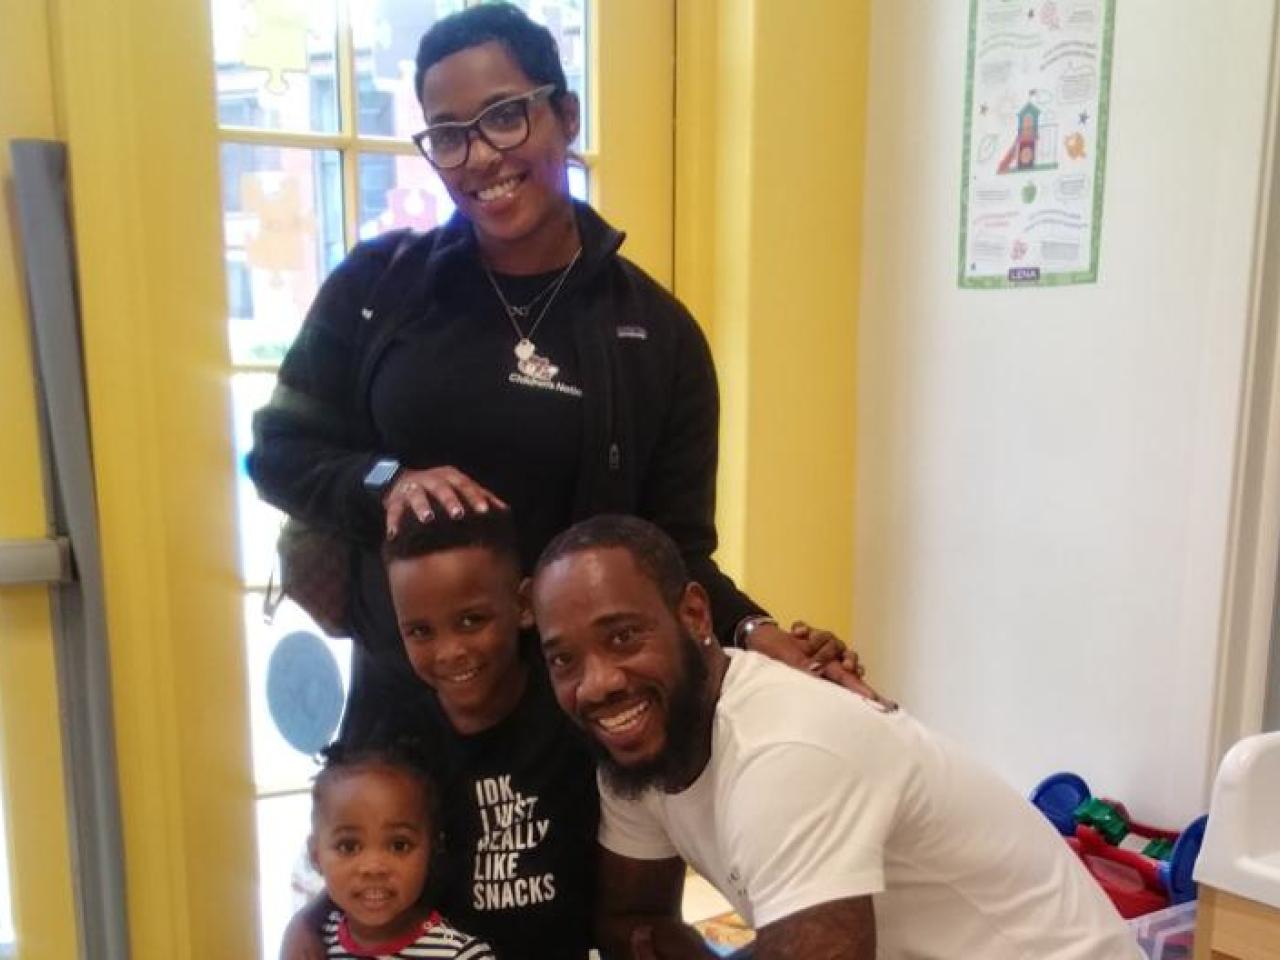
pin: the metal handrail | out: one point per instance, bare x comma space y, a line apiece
24, 562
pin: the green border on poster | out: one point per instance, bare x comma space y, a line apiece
1099, 172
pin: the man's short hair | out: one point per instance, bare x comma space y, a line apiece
492, 530
530, 44
653, 551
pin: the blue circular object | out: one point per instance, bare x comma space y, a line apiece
1057, 797
304, 691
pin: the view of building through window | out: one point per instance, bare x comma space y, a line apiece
315, 105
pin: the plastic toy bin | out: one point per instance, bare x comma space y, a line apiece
1166, 934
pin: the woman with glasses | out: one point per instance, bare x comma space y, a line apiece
510, 358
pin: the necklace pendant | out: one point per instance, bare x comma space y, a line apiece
524, 348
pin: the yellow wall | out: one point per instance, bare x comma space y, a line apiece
771, 117
136, 89
631, 100
30, 751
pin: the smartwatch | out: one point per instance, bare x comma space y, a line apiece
381, 476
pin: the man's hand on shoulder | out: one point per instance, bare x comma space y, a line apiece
839, 930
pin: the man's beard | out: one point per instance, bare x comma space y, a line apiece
687, 721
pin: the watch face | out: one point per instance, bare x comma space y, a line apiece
381, 474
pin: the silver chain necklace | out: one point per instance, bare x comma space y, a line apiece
528, 362
515, 310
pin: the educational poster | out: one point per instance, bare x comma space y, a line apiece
1035, 138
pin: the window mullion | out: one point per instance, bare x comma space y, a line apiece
348, 121
389, 145
299, 139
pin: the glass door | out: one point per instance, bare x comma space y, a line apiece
315, 106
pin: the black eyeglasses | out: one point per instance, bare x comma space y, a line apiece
503, 126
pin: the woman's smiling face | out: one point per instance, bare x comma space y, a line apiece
509, 196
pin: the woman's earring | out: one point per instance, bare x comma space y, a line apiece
708, 640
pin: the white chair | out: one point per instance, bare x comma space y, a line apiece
1239, 865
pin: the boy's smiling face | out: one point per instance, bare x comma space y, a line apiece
460, 613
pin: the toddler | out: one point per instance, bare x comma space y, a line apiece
372, 836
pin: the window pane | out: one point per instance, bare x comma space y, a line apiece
285, 878
275, 64
277, 765
579, 184
385, 35
282, 225
400, 191
567, 21
259, 523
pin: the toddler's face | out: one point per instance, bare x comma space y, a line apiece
371, 842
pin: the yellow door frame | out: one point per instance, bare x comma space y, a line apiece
31, 773
135, 82
771, 125
633, 157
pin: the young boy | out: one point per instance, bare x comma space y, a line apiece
520, 804
372, 839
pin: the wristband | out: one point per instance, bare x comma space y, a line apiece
745, 626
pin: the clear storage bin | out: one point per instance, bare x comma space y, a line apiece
1167, 934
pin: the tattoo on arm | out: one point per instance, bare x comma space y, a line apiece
633, 894
839, 930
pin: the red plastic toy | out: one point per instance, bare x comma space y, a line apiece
1140, 867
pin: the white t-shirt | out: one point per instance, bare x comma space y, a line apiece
814, 795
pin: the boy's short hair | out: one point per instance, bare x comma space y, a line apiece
492, 530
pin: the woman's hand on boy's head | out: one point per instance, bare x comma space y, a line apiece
439, 488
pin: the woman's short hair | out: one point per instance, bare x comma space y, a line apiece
530, 44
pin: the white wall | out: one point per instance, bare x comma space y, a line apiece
1044, 476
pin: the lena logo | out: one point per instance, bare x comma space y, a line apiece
1024, 275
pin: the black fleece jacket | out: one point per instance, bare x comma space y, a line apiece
650, 405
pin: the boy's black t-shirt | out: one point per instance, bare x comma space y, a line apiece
520, 810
